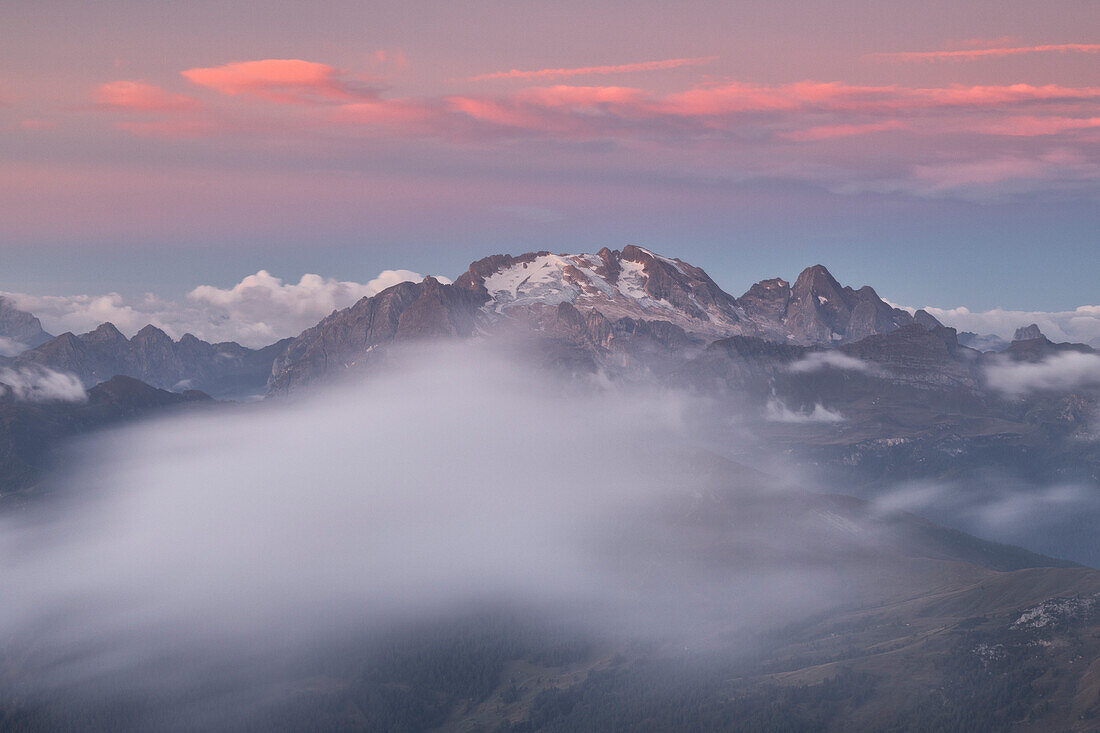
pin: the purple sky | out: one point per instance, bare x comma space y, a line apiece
946, 155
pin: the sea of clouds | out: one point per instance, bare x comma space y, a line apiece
40, 384
255, 312
232, 540
1080, 325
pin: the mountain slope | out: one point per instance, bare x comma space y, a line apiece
634, 283
31, 432
344, 339
222, 370
818, 310
934, 630
614, 310
20, 329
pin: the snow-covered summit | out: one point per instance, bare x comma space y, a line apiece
634, 283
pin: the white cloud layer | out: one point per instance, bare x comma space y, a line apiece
232, 542
777, 411
1060, 373
257, 311
1052, 519
11, 347
38, 384
818, 360
1081, 325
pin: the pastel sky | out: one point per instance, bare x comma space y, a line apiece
946, 152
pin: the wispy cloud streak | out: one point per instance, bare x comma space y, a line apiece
140, 96
972, 54
597, 70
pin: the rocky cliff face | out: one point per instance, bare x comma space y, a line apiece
1037, 349
818, 310
345, 339
1027, 333
224, 370
914, 355
21, 330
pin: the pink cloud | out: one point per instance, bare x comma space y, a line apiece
816, 111
597, 70
826, 132
992, 96
570, 96
139, 96
172, 128
563, 111
1031, 126
804, 112
500, 112
387, 58
733, 121
972, 54
835, 96
742, 97
37, 124
403, 113
280, 80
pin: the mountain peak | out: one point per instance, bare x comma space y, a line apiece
631, 283
152, 333
926, 319
20, 326
1028, 333
818, 280
103, 332
606, 303
817, 309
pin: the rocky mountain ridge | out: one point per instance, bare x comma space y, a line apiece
617, 310
223, 370
819, 310
604, 308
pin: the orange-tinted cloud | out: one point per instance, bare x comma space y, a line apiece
755, 115
571, 96
759, 120
172, 128
139, 96
400, 113
972, 54
597, 70
833, 96
37, 124
280, 80
394, 58
1032, 126
826, 132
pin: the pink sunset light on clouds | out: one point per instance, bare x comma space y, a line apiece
803, 111
973, 54
140, 96
280, 80
448, 117
597, 70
